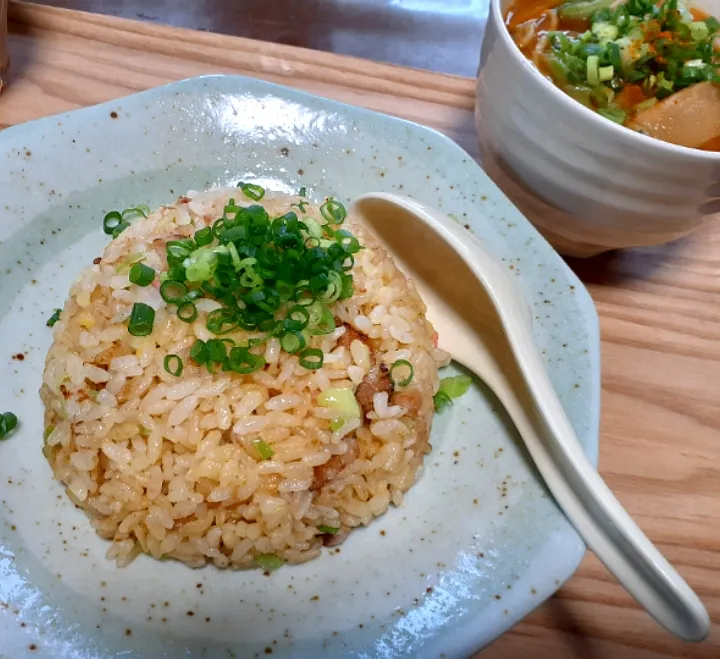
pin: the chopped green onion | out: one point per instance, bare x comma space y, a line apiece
297, 318
221, 321
126, 264
456, 386
141, 274
111, 221
203, 237
400, 367
302, 192
269, 562
338, 423
199, 352
255, 192
119, 229
187, 312
54, 318
450, 388
441, 400
292, 342
178, 250
173, 365
329, 530
592, 70
333, 212
142, 318
311, 359
616, 115
699, 31
134, 212
173, 292
342, 401
264, 449
242, 361
605, 31
646, 104
201, 264
582, 9
606, 73
217, 351
321, 319
115, 222
8, 423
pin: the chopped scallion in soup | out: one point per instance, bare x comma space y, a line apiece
653, 66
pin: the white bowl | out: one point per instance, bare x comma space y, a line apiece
589, 185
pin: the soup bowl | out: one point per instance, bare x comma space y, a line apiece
588, 184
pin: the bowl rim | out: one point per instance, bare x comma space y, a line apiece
633, 137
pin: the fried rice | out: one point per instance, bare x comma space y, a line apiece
238, 469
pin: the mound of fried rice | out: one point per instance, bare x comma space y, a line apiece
167, 465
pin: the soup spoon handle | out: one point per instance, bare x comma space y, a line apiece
577, 487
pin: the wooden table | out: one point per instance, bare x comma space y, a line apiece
659, 307
440, 35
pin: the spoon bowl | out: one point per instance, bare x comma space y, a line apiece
483, 320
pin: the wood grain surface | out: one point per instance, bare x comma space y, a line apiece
659, 307
441, 35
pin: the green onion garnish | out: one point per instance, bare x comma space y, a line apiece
54, 318
142, 318
8, 423
111, 221
441, 400
634, 52
302, 192
311, 359
337, 423
173, 365
329, 530
128, 213
199, 352
173, 292
269, 562
115, 222
451, 388
297, 318
292, 342
222, 321
177, 250
616, 115
141, 274
255, 192
401, 373
264, 449
203, 237
241, 360
333, 212
216, 351
187, 312
275, 276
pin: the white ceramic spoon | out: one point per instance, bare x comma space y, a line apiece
483, 320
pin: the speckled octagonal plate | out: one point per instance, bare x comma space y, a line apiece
477, 543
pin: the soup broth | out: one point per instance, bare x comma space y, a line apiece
653, 67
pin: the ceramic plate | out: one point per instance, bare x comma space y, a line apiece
477, 543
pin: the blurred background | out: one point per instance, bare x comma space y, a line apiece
440, 35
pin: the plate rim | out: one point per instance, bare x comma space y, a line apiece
464, 634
